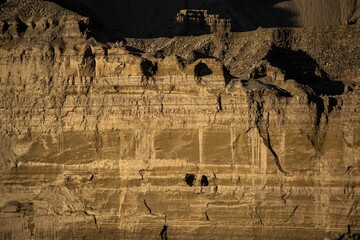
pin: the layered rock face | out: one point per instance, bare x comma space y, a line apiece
239, 135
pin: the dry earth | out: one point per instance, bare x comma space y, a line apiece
251, 135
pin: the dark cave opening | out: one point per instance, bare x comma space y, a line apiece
204, 181
201, 69
189, 179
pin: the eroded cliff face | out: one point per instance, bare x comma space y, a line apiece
241, 135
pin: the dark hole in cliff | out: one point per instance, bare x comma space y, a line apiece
5, 27
116, 88
88, 53
189, 179
350, 89
154, 69
83, 26
55, 22
18, 208
163, 233
21, 26
227, 75
201, 69
148, 68
320, 108
333, 102
356, 236
159, 54
219, 103
200, 53
300, 66
204, 181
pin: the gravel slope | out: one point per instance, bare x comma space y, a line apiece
150, 18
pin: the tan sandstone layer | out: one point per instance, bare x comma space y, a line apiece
242, 135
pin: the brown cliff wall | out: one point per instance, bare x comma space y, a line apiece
102, 141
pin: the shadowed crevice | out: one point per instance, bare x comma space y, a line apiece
300, 66
201, 69
163, 233
189, 179
204, 181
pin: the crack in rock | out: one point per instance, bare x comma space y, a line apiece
147, 206
163, 233
262, 125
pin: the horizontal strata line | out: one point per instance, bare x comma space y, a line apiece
137, 84
314, 190
118, 163
108, 77
307, 191
123, 82
209, 107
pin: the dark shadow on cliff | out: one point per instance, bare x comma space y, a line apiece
304, 69
113, 20
300, 66
251, 14
347, 236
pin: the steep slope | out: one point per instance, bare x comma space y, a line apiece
248, 135
140, 18
292, 13
24, 20
339, 61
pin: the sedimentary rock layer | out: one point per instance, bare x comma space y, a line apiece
242, 135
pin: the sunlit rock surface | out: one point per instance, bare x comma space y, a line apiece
238, 135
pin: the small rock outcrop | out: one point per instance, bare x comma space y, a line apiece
199, 22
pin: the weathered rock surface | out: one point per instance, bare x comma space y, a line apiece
239, 135
143, 18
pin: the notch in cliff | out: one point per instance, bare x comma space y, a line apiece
163, 233
189, 179
204, 181
298, 65
260, 115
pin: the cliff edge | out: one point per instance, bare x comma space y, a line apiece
229, 135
